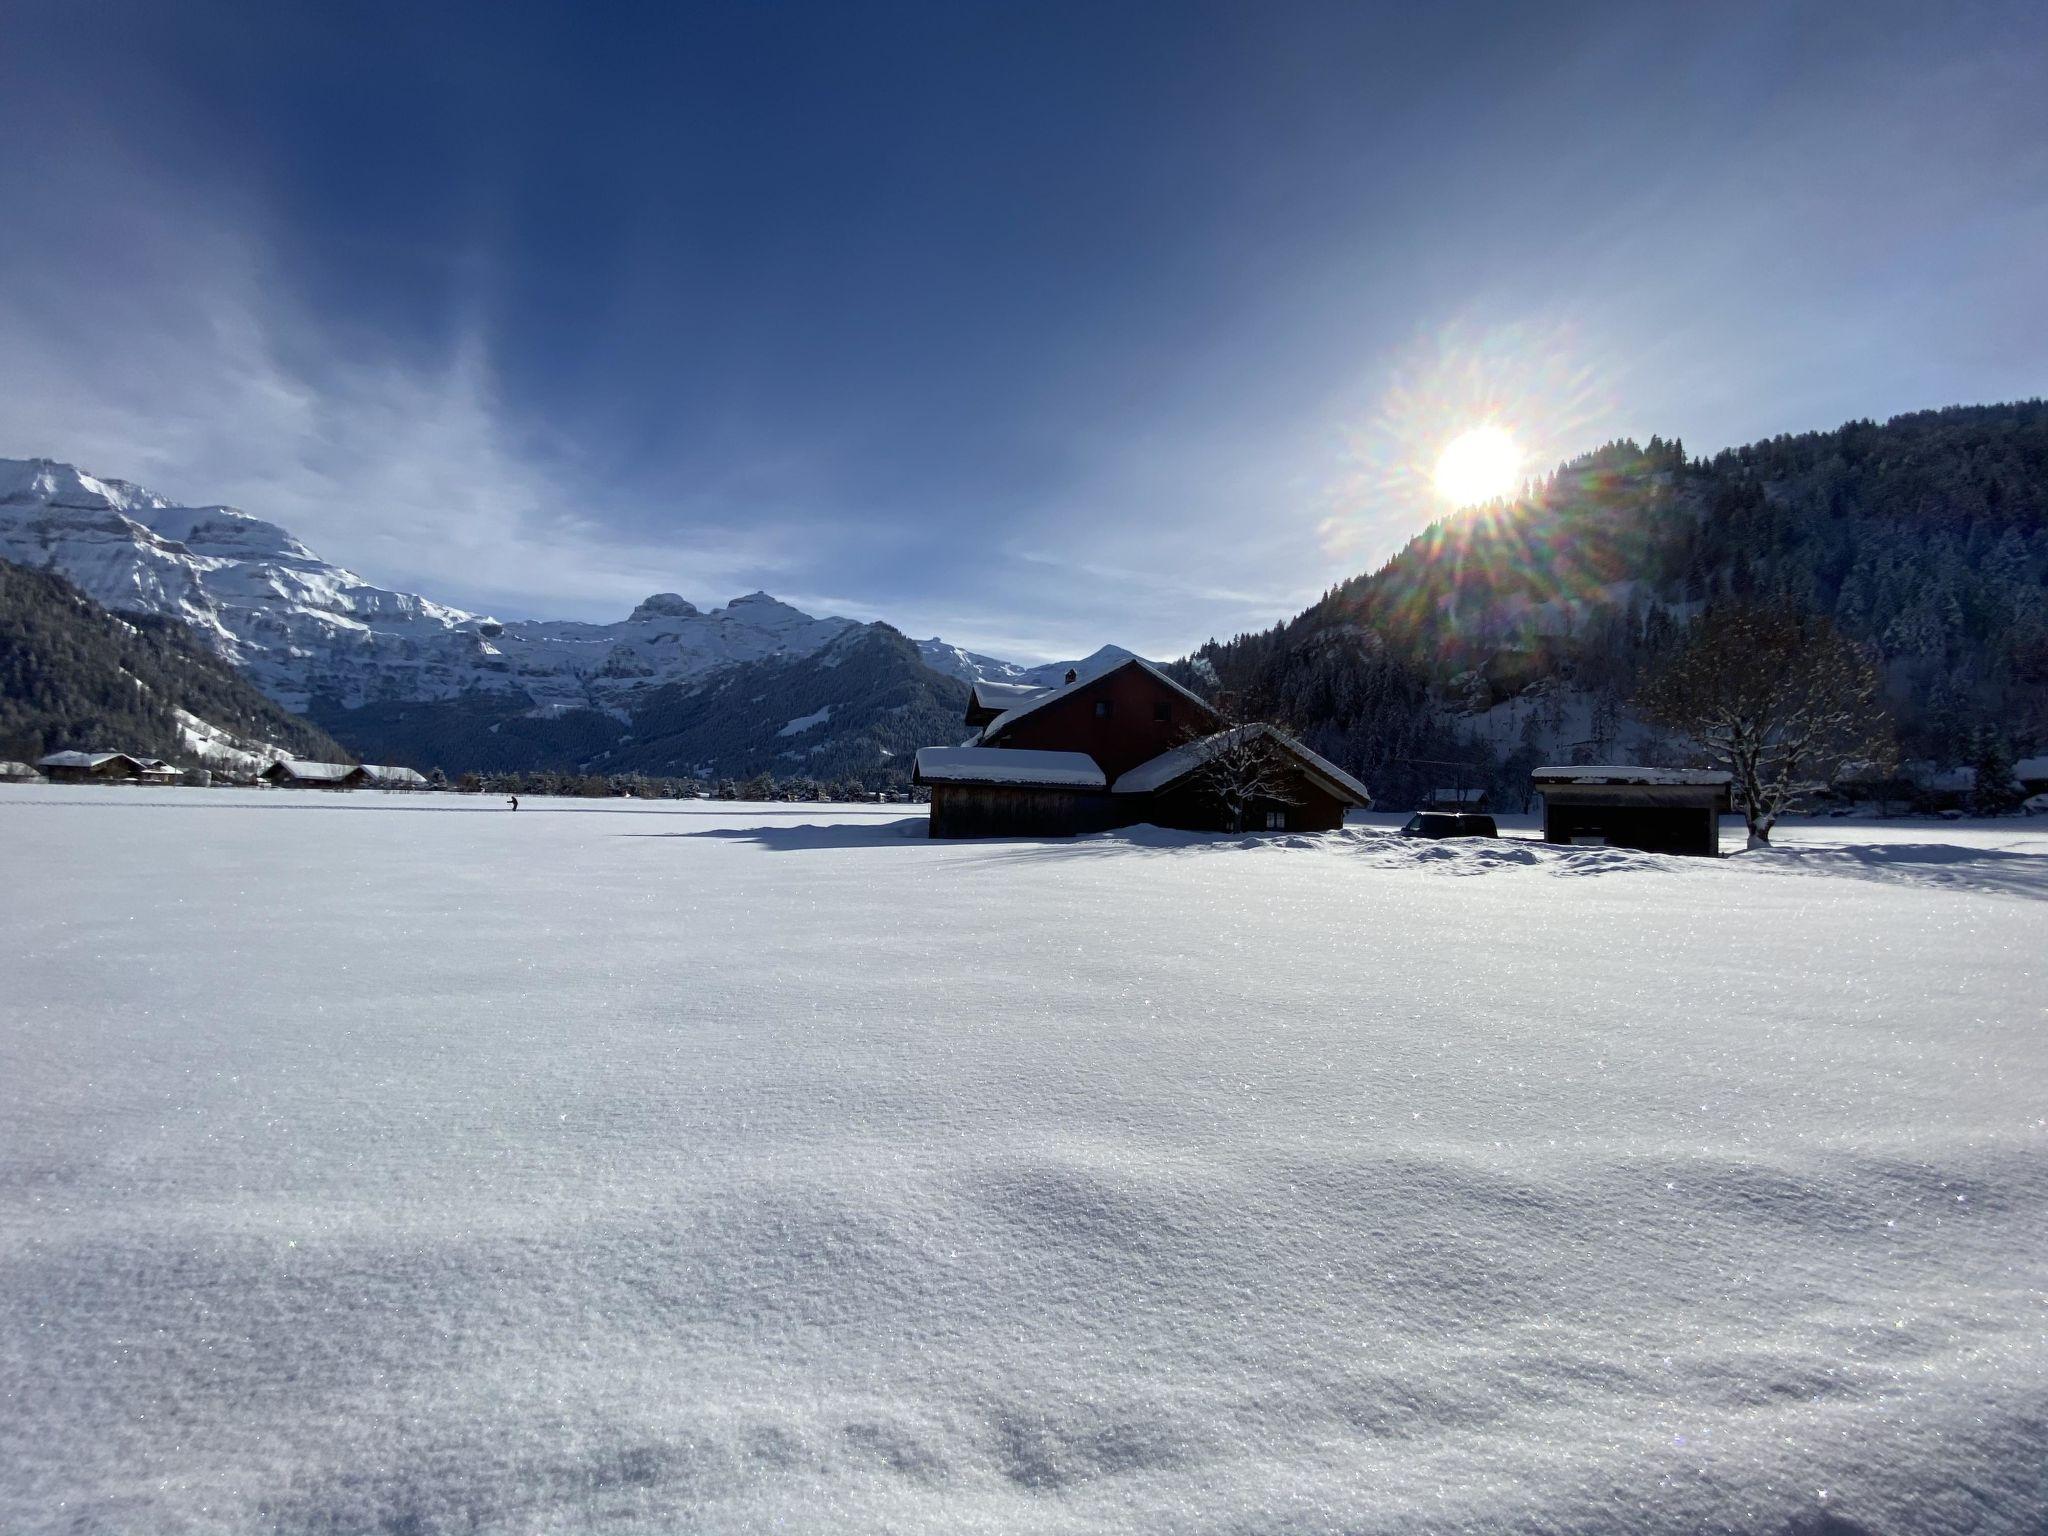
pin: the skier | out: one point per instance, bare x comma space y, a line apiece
515, 802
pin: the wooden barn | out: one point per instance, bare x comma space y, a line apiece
297, 773
105, 768
1659, 810
1128, 745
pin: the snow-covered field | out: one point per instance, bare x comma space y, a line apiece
372, 1164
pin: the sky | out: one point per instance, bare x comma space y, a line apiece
1035, 326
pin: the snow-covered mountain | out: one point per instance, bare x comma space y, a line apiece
302, 627
393, 673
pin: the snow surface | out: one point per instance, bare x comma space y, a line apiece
393, 1164
1006, 765
803, 723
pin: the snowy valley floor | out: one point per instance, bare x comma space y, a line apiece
372, 1164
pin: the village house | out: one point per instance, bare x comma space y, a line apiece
105, 768
17, 773
297, 773
1125, 746
1658, 810
385, 776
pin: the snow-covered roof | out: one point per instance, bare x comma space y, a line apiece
1006, 695
382, 773
999, 765
1156, 773
86, 759
1047, 696
10, 769
1627, 773
299, 768
2027, 769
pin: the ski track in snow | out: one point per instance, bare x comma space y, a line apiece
386, 1164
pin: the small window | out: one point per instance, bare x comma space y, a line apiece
1162, 710
1276, 821
1102, 709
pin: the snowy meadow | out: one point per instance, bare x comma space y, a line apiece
385, 1164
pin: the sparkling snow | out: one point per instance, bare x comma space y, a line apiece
379, 1163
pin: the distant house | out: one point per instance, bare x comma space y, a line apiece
1128, 745
297, 773
383, 776
17, 773
105, 768
2031, 773
1660, 810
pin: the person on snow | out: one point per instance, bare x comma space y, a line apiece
515, 802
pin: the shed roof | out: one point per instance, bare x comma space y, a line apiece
299, 768
2030, 768
1017, 712
1170, 767
1001, 765
1627, 773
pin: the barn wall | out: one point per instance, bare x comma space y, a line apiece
997, 810
1129, 735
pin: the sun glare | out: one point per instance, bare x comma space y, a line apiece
1480, 465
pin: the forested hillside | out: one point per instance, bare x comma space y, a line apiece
74, 675
1517, 632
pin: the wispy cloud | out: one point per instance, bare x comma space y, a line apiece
171, 355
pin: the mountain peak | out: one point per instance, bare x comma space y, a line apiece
665, 605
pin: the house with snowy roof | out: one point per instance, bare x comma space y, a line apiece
387, 776
105, 768
298, 773
1125, 746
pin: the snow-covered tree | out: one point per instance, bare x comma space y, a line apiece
1779, 698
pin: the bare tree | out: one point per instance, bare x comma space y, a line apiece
1242, 763
1782, 699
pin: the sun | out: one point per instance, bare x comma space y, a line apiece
1480, 465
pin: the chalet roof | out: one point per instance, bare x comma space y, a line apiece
299, 768
2030, 768
1047, 696
1627, 773
1002, 696
90, 760
1000, 765
1170, 767
381, 773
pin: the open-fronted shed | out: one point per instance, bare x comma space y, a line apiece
1661, 810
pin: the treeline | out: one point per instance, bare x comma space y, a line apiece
640, 786
1522, 631
73, 674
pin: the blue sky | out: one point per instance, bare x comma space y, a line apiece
1035, 326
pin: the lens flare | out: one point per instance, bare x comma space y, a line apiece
1480, 465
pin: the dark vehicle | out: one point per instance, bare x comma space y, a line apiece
1449, 824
